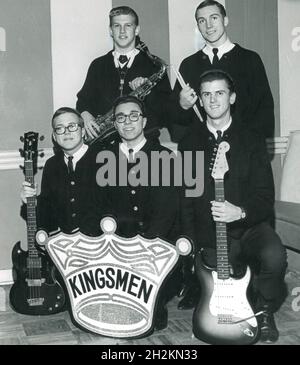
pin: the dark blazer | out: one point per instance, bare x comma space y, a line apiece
254, 106
248, 183
101, 88
62, 205
147, 210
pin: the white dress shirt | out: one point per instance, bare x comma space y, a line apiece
224, 48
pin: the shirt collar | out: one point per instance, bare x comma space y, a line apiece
77, 155
224, 48
125, 149
131, 55
213, 130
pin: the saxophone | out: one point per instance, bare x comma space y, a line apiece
106, 121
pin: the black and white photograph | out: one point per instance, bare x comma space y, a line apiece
150, 175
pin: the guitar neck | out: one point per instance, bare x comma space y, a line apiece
31, 211
221, 236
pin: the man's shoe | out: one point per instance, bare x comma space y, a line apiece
190, 299
268, 330
161, 319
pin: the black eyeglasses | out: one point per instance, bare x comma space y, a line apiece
73, 127
133, 117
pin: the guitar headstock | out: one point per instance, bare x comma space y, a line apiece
220, 165
30, 148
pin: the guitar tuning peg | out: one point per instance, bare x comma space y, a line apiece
22, 139
42, 138
21, 167
21, 152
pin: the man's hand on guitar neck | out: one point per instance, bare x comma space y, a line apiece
27, 191
225, 212
91, 127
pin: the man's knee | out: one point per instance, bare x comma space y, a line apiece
273, 255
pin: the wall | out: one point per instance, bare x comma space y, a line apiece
25, 70
289, 61
254, 24
79, 33
25, 102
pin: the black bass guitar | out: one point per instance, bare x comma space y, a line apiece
35, 290
223, 315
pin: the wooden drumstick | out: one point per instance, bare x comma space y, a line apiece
183, 85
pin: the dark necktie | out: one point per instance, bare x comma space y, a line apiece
219, 138
122, 71
123, 59
216, 58
130, 155
70, 165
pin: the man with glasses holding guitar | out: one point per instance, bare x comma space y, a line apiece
244, 209
68, 177
67, 180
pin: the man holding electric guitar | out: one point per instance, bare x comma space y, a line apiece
236, 206
68, 177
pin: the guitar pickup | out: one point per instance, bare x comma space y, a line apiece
35, 282
34, 263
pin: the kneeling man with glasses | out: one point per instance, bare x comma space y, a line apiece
68, 177
137, 205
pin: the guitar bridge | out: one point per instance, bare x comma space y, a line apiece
35, 282
35, 301
224, 319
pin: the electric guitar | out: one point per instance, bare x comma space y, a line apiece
223, 315
35, 290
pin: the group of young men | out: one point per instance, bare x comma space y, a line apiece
229, 85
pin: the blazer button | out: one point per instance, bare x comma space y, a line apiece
73, 215
72, 182
72, 200
133, 192
135, 208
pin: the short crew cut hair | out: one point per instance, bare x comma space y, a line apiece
214, 75
123, 10
65, 110
206, 3
129, 99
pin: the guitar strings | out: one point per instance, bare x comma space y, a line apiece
33, 264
